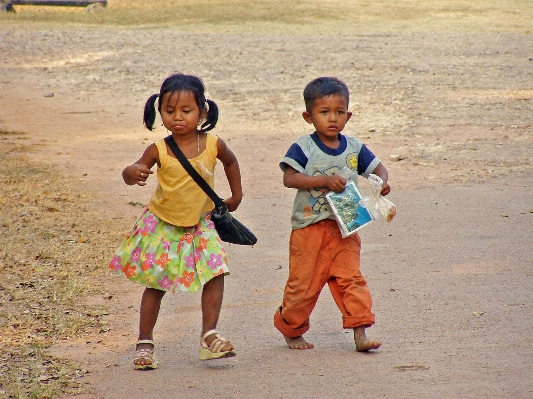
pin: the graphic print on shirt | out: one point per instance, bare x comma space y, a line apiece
318, 202
317, 197
351, 161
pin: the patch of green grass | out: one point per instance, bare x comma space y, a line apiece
296, 16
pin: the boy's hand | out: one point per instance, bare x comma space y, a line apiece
385, 189
336, 183
382, 172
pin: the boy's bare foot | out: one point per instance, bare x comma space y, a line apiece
362, 343
298, 343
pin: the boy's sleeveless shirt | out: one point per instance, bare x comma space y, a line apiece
178, 199
310, 156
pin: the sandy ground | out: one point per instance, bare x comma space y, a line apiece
449, 114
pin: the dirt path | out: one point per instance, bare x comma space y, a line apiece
451, 276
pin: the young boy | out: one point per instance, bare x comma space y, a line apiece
318, 253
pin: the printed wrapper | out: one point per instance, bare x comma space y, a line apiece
349, 213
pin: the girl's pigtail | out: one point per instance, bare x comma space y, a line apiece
149, 112
211, 118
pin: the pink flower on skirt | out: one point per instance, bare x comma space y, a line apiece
149, 262
165, 283
150, 223
190, 261
135, 254
115, 263
214, 261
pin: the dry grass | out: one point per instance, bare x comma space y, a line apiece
48, 263
299, 16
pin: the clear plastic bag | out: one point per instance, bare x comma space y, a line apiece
347, 209
376, 204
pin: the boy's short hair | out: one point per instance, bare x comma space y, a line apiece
322, 87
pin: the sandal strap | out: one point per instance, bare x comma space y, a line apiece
210, 332
145, 341
144, 354
217, 344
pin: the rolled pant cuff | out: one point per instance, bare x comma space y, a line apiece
358, 321
284, 328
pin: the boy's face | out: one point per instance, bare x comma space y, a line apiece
328, 115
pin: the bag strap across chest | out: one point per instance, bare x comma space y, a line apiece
219, 204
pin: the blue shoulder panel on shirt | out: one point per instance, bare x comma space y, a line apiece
295, 152
364, 159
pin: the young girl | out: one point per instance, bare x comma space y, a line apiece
173, 244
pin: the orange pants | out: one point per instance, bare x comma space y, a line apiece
319, 255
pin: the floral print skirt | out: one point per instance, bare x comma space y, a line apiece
159, 255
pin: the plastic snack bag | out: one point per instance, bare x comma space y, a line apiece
376, 204
346, 207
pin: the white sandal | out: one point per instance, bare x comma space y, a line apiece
146, 355
214, 351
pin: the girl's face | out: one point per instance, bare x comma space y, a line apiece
180, 113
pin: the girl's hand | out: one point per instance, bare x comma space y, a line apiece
136, 174
232, 203
140, 170
336, 183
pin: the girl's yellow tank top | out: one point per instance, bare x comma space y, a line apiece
178, 200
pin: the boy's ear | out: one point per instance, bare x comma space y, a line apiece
348, 116
307, 117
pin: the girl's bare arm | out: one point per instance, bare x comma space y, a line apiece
138, 172
233, 174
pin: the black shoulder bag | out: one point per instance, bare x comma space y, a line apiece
228, 228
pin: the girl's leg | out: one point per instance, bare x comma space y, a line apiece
150, 305
212, 295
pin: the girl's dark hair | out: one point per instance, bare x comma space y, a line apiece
178, 83
322, 87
